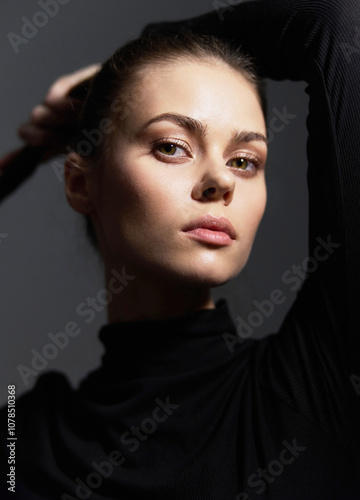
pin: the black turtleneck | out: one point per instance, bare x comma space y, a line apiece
188, 408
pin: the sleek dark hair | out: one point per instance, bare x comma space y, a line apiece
113, 92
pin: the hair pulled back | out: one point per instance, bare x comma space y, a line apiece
114, 94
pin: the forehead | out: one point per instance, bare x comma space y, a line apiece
210, 91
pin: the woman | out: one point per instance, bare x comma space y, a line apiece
183, 406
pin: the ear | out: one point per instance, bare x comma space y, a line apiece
78, 185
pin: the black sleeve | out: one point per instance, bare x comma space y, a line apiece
313, 363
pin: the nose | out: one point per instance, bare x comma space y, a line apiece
216, 183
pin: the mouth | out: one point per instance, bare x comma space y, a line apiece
211, 229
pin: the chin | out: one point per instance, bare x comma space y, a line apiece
203, 277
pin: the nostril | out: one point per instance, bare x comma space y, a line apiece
208, 191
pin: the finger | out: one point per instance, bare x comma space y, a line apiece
43, 116
33, 135
57, 94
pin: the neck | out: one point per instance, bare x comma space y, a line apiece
136, 297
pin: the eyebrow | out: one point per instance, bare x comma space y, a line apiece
193, 125
247, 136
186, 122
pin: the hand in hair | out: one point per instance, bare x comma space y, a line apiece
51, 122
49, 129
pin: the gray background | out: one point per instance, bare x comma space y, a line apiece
47, 266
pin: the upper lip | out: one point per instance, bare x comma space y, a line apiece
209, 221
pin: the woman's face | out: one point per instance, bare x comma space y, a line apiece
196, 126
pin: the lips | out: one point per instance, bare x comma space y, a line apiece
213, 223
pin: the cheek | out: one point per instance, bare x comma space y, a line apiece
133, 201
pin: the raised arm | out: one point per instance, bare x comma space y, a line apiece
314, 362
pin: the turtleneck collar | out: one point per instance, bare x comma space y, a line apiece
166, 347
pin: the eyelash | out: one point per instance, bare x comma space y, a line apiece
175, 142
182, 145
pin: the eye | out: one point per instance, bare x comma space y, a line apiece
244, 164
241, 163
168, 148
171, 149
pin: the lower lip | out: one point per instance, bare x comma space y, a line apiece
214, 237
